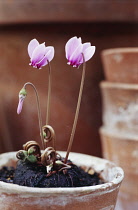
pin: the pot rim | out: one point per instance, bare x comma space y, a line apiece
119, 50
125, 86
110, 185
115, 134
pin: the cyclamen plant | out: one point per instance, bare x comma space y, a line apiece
40, 56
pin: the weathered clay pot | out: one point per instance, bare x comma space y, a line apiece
120, 108
97, 197
123, 150
121, 65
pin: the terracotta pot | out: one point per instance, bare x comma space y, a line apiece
124, 152
121, 65
120, 108
97, 197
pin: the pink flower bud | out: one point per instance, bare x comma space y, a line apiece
22, 95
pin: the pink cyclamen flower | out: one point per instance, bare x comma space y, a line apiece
39, 54
22, 95
74, 50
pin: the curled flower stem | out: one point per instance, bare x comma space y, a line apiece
49, 95
77, 111
49, 156
49, 100
50, 135
39, 111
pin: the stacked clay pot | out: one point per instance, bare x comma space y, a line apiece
119, 133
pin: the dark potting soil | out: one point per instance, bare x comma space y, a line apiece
7, 174
32, 175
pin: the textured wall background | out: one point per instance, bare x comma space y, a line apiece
19, 23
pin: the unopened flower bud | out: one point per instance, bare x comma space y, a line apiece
22, 95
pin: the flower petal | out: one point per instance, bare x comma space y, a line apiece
31, 46
43, 62
88, 53
49, 53
38, 54
75, 57
71, 45
86, 45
